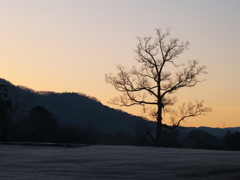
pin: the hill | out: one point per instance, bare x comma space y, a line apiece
75, 109
218, 132
78, 110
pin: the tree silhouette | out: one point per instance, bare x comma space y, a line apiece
199, 139
153, 83
5, 110
232, 141
40, 125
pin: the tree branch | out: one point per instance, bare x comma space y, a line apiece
187, 110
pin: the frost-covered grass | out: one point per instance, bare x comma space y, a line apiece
115, 162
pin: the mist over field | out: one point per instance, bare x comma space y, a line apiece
116, 162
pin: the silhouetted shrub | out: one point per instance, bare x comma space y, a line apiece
5, 110
38, 126
170, 138
142, 134
116, 139
232, 141
199, 139
68, 134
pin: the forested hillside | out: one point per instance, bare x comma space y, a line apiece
32, 116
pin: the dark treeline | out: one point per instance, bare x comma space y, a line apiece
40, 125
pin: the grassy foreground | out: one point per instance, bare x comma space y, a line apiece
116, 162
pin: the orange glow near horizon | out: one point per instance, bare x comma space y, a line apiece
70, 45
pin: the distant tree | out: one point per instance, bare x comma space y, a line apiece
15, 102
76, 134
154, 77
199, 139
143, 135
22, 100
5, 113
170, 138
232, 141
40, 125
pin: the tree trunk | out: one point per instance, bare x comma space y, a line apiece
158, 134
159, 125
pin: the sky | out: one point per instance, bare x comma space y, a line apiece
69, 46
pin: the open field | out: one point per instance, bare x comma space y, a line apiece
115, 162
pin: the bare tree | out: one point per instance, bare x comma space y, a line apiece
153, 84
14, 102
22, 100
5, 110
